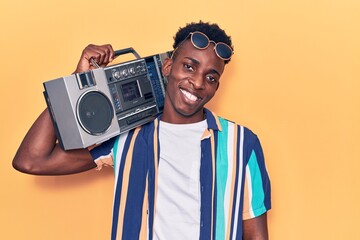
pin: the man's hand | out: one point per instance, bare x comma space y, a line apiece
102, 55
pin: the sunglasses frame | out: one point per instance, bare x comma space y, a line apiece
209, 41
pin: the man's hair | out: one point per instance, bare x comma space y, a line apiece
212, 30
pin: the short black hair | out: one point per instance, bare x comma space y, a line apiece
212, 30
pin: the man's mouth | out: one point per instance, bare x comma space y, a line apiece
190, 96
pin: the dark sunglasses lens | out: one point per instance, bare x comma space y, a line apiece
200, 40
223, 50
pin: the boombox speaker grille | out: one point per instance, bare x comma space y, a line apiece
95, 112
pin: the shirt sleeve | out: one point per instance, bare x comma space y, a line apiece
257, 191
103, 154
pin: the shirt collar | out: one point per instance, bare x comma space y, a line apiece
212, 120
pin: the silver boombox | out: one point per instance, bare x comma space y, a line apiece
89, 108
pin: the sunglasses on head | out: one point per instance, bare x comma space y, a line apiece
200, 41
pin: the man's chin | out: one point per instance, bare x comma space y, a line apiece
189, 113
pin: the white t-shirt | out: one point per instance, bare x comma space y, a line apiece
178, 197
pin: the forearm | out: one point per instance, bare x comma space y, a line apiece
256, 228
39, 154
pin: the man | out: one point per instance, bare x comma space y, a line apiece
189, 174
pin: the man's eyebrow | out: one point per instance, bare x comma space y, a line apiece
193, 60
215, 71
197, 63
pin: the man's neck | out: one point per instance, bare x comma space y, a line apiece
178, 118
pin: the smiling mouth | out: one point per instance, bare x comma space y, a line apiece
190, 96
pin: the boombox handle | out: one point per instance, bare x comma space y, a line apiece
127, 50
118, 53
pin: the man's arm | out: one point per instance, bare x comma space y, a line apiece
256, 228
39, 152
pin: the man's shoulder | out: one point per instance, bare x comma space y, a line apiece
246, 139
225, 122
146, 129
246, 129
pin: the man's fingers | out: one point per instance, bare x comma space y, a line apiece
94, 56
102, 55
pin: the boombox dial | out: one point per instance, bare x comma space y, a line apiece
132, 70
116, 74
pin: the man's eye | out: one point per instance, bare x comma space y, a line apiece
211, 79
188, 67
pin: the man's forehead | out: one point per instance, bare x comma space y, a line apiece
188, 49
201, 56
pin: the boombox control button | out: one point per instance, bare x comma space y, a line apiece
116, 74
132, 70
124, 72
139, 109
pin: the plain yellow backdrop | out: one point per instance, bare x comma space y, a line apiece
294, 80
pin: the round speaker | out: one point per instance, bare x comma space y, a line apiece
95, 112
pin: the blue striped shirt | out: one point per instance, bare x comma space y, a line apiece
234, 182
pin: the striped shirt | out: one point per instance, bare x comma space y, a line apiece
234, 182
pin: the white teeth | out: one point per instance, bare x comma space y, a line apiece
189, 95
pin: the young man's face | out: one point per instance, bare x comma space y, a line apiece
193, 78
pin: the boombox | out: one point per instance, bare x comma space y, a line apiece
89, 108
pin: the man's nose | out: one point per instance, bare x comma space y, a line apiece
197, 81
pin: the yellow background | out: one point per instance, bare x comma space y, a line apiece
294, 80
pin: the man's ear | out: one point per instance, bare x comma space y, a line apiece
166, 68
